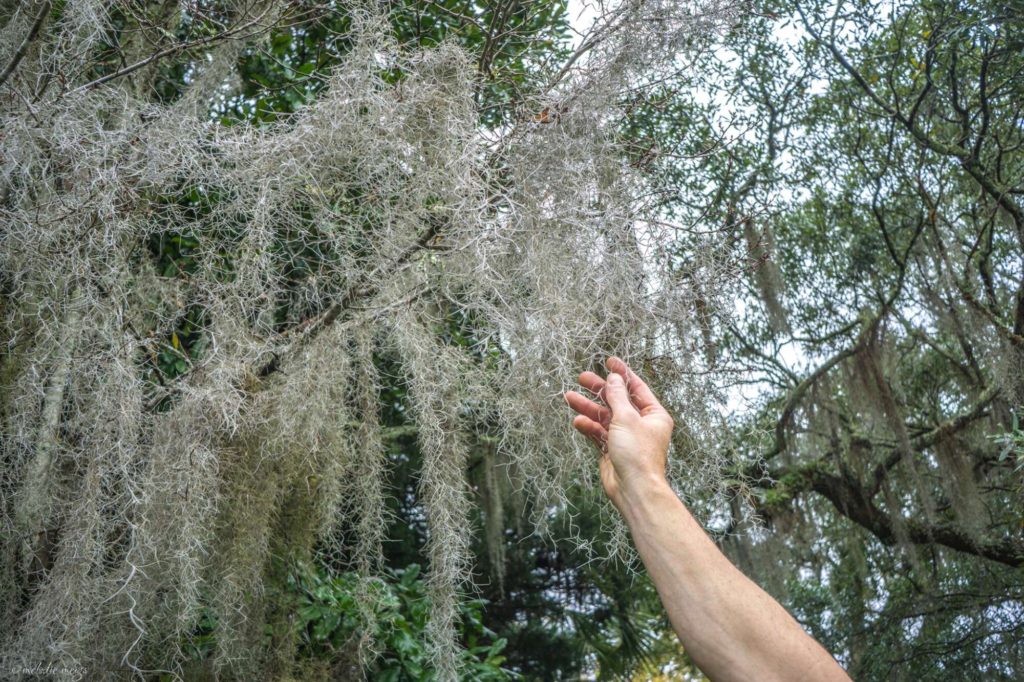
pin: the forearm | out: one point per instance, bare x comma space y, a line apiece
730, 627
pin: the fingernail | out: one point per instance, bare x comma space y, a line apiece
614, 378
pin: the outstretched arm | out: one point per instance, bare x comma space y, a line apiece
730, 627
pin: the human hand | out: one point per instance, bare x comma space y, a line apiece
632, 430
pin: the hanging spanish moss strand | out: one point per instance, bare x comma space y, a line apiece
767, 275
370, 470
435, 374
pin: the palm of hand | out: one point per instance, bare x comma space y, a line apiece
635, 451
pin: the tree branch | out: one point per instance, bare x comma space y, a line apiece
365, 287
968, 161
940, 432
852, 501
19, 54
173, 50
800, 390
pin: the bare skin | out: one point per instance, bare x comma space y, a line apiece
730, 627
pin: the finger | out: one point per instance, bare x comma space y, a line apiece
591, 429
639, 391
592, 382
617, 398
588, 408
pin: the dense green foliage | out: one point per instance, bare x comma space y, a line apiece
330, 615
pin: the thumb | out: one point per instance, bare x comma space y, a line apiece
617, 398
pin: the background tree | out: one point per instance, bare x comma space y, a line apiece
871, 173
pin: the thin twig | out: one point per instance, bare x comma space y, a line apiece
174, 49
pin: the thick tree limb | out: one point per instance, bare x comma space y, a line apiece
854, 502
34, 506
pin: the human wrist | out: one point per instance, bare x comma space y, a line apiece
642, 494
